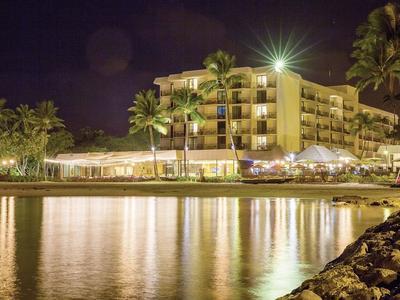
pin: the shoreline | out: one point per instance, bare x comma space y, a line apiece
194, 189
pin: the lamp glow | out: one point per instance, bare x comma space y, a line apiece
279, 65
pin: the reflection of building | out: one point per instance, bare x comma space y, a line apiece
271, 109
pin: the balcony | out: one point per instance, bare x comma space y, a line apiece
241, 85
323, 126
308, 137
322, 113
240, 101
308, 97
264, 131
336, 118
270, 84
306, 110
323, 139
266, 146
240, 146
209, 102
307, 123
241, 131
210, 146
208, 132
261, 100
349, 143
323, 101
337, 129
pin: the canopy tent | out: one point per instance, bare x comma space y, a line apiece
276, 153
112, 158
343, 154
316, 153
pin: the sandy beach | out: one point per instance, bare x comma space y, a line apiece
182, 189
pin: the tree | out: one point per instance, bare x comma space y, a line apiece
7, 117
377, 53
186, 103
363, 123
220, 65
148, 115
45, 120
59, 141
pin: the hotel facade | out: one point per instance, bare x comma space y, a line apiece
271, 109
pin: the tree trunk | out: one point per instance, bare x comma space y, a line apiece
153, 148
363, 144
185, 147
44, 157
228, 119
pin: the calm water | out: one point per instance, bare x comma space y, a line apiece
185, 248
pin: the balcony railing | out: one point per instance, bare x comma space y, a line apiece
322, 113
208, 132
349, 143
308, 110
264, 131
211, 117
322, 100
179, 133
270, 84
308, 96
307, 137
307, 123
241, 131
241, 85
240, 101
337, 129
322, 126
323, 139
265, 146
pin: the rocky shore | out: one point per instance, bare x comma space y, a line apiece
369, 268
365, 201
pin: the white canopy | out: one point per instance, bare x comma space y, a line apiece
316, 153
110, 158
343, 154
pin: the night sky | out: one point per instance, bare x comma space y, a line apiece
91, 57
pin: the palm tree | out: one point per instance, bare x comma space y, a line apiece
45, 120
7, 116
148, 114
377, 53
220, 65
363, 123
24, 119
186, 103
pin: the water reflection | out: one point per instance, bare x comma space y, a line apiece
147, 247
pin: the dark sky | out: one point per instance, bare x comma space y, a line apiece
90, 57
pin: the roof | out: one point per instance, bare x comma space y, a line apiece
108, 158
275, 153
344, 154
392, 149
316, 153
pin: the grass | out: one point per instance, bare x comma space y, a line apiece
193, 189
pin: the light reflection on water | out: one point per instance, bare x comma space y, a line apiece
190, 248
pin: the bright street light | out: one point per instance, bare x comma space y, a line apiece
279, 65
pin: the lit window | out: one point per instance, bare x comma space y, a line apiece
261, 141
261, 111
194, 127
192, 83
262, 81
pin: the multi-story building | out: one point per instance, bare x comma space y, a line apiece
268, 109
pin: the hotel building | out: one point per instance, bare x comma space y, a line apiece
269, 109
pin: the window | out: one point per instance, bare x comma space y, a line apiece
261, 142
221, 127
262, 81
261, 111
192, 83
221, 97
221, 112
235, 97
236, 112
194, 127
221, 140
236, 127
261, 96
261, 127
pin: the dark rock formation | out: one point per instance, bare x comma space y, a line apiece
357, 200
369, 268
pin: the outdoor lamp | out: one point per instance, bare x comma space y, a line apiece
153, 149
4, 162
12, 161
279, 65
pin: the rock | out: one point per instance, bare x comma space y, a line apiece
306, 295
369, 268
381, 276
